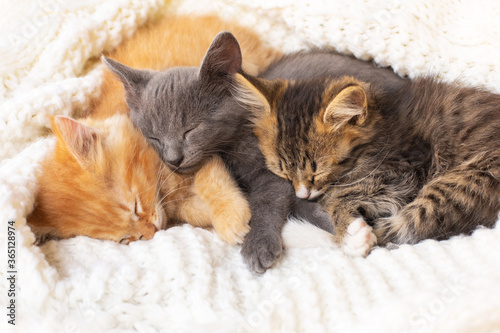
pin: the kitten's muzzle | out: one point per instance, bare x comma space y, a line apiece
186, 169
173, 154
175, 160
306, 193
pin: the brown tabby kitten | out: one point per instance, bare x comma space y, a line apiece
420, 163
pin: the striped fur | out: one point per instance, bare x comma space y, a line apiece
420, 163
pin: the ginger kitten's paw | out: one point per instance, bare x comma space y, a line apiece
233, 231
261, 251
232, 226
359, 239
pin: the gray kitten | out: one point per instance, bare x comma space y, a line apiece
188, 113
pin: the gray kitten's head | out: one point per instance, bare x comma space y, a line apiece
186, 113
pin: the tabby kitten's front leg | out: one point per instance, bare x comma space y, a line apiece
353, 234
365, 200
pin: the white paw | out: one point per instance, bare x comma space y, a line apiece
359, 239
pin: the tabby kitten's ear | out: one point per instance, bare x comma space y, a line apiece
83, 142
349, 106
252, 96
257, 94
134, 80
222, 58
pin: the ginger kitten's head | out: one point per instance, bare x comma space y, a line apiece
310, 132
101, 182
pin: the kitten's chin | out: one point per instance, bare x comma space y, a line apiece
184, 169
308, 194
315, 194
187, 169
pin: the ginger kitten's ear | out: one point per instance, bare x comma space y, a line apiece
223, 56
134, 80
82, 141
350, 105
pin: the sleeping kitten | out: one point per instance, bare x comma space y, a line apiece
99, 183
189, 114
104, 181
422, 161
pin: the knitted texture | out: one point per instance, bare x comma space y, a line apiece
45, 52
186, 279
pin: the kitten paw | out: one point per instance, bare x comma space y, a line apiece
233, 228
235, 233
261, 252
359, 239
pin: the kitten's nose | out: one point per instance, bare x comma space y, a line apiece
175, 160
174, 157
173, 153
302, 192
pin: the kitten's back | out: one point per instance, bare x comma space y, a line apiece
323, 63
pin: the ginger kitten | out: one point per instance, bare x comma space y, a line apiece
101, 181
105, 181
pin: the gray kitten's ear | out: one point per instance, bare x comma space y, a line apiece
223, 56
134, 80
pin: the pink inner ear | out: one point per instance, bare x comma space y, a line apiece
358, 98
223, 55
80, 139
233, 57
70, 129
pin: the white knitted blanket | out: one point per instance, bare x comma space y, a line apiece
185, 279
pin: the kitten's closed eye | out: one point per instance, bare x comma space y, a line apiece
155, 142
185, 135
125, 240
138, 207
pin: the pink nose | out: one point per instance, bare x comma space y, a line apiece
302, 192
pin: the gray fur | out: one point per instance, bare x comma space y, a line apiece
423, 164
326, 63
188, 114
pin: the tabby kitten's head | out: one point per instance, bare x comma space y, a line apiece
310, 132
101, 182
186, 113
